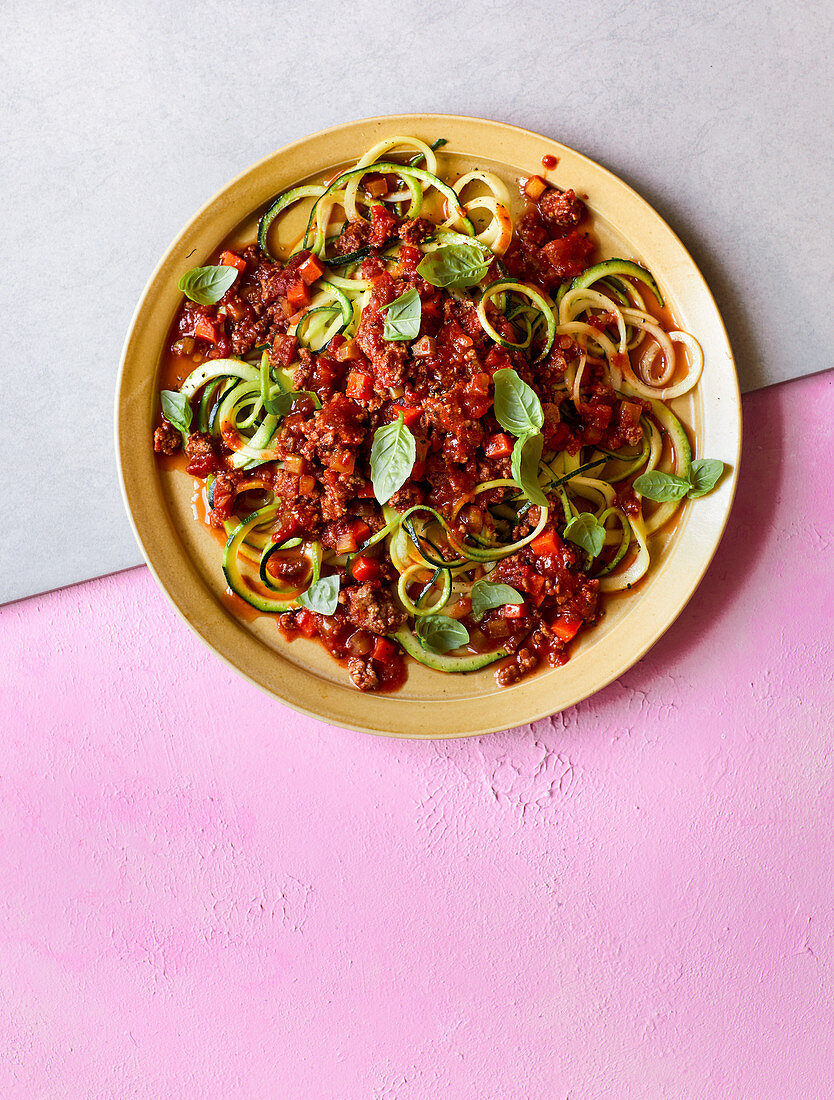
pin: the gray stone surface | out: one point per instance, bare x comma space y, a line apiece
119, 120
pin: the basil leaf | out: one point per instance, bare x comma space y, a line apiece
527, 454
323, 596
659, 486
487, 594
403, 316
586, 531
176, 409
704, 476
207, 285
517, 407
454, 265
393, 453
440, 633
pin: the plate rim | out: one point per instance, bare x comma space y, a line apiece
390, 703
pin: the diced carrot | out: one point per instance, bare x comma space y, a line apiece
311, 269
299, 294
375, 185
231, 259
206, 329
306, 622
498, 446
359, 386
534, 188
410, 416
548, 542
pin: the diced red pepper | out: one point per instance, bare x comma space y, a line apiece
231, 259
364, 569
311, 269
359, 386
410, 416
548, 542
306, 622
513, 610
206, 329
418, 471
499, 446
566, 628
384, 650
298, 294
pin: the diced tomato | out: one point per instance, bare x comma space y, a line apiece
548, 542
202, 466
534, 587
311, 269
566, 628
206, 329
359, 386
306, 622
410, 416
231, 259
409, 257
476, 405
568, 255
630, 413
478, 383
514, 610
384, 650
299, 294
364, 569
352, 537
367, 491
384, 224
285, 348
498, 446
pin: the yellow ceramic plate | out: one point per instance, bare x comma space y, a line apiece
185, 558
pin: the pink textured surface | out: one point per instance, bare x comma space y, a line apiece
206, 895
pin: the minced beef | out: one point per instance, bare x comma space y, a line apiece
166, 439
